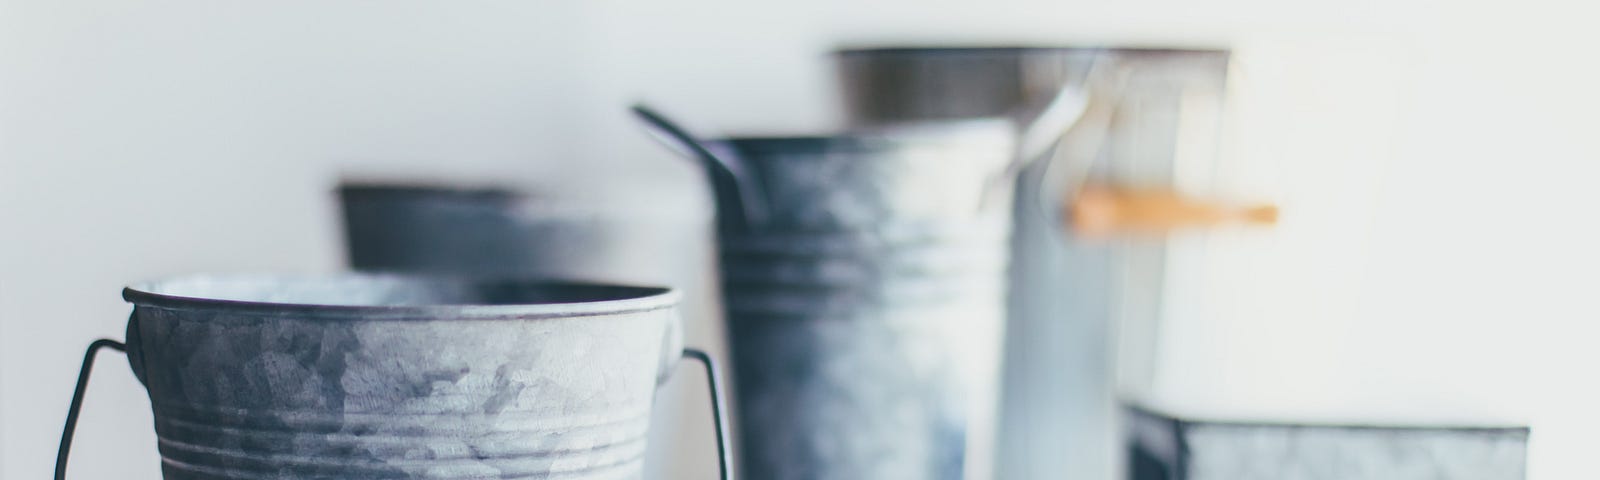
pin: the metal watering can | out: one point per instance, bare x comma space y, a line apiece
864, 289
1141, 110
399, 377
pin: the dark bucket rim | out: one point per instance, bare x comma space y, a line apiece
940, 50
880, 139
428, 189
627, 299
522, 201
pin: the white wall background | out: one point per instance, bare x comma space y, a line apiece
1433, 160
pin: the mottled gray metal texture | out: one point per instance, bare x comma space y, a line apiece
1163, 447
630, 239
391, 377
865, 318
1059, 406
879, 181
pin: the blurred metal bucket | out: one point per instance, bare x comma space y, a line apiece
420, 228
865, 313
1071, 298
485, 231
391, 377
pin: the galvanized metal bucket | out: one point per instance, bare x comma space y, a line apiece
1070, 297
865, 307
398, 377
624, 237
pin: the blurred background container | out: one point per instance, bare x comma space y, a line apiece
1136, 115
1432, 160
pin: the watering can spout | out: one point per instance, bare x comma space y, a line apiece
738, 199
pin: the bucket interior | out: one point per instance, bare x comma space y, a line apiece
389, 291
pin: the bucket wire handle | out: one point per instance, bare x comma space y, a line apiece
1060, 115
1077, 146
77, 401
1075, 108
718, 406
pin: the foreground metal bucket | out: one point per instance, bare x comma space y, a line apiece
396, 377
865, 313
1071, 296
628, 238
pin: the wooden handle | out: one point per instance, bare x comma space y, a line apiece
1103, 210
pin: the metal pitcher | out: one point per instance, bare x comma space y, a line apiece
1149, 108
863, 278
398, 377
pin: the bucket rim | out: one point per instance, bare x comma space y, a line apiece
166, 293
899, 50
364, 188
518, 200
996, 129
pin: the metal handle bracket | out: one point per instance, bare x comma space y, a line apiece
718, 408
77, 401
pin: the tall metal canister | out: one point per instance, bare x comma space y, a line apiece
1073, 299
